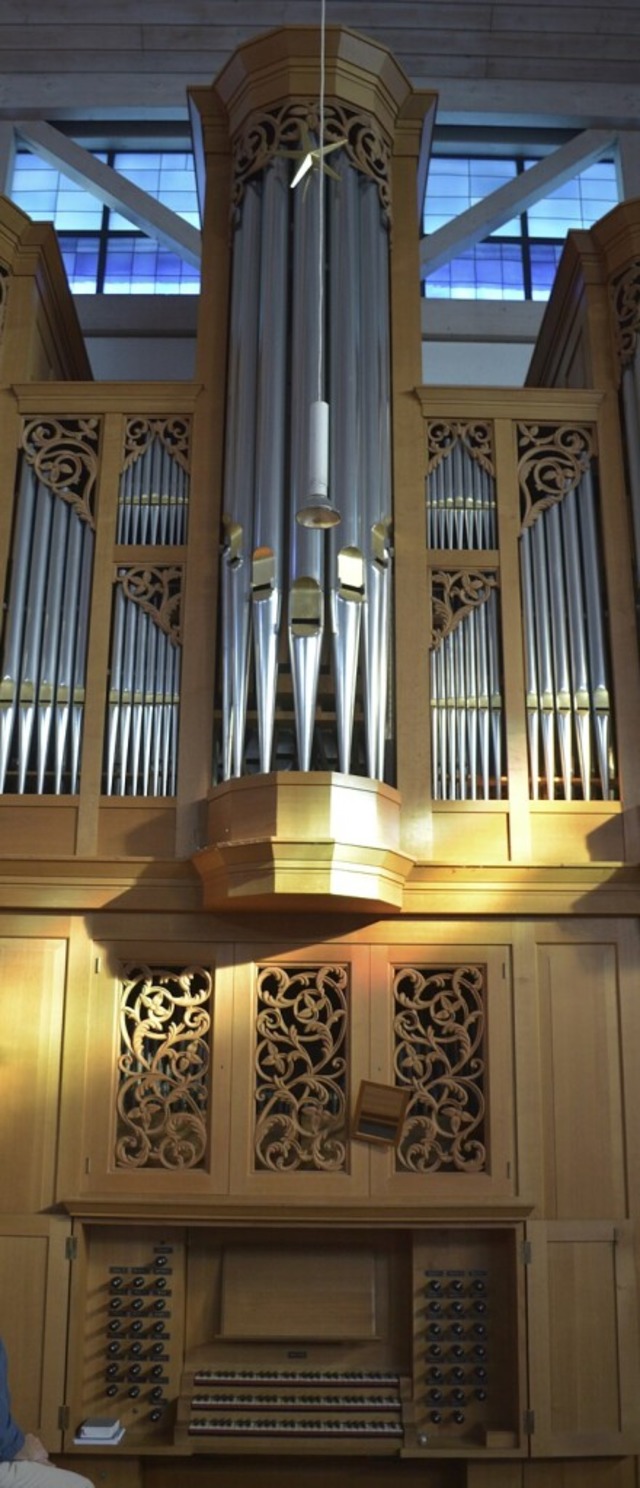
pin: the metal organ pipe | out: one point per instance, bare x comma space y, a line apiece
346, 576
268, 532
306, 545
239, 477
375, 460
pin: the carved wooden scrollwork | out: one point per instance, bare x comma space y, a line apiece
552, 458
453, 595
163, 1067
439, 1032
300, 1064
625, 296
266, 134
158, 591
174, 434
475, 436
4, 293
64, 455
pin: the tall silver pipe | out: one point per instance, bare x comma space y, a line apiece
126, 695
559, 643
457, 643
468, 628
14, 626
239, 475
530, 660
68, 637
115, 688
30, 665
137, 698
268, 531
158, 714
48, 670
434, 681
598, 671
306, 545
80, 657
375, 467
482, 673
495, 687
148, 709
577, 639
346, 572
543, 648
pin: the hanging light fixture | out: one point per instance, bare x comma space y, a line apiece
318, 511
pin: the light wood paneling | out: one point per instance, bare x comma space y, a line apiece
32, 976
583, 1346
581, 1078
33, 1308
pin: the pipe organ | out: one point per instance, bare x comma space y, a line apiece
286, 814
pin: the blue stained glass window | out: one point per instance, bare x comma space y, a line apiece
80, 258
490, 271
534, 239
50, 196
101, 249
136, 265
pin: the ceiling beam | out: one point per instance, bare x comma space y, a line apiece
508, 201
142, 210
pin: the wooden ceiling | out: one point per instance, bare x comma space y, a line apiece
573, 63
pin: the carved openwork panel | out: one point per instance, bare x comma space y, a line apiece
157, 591
287, 130
301, 1095
439, 1053
625, 296
163, 1067
552, 458
454, 595
64, 456
153, 496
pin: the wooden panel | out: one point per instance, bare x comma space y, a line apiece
306, 1292
32, 974
582, 1340
448, 1179
145, 829
577, 832
470, 834
33, 1308
583, 1474
581, 1077
37, 828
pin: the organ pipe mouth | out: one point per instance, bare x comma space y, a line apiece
318, 511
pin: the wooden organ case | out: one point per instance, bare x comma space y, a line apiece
416, 866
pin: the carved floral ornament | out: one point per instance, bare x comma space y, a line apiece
301, 1068
163, 1067
266, 134
439, 1035
454, 593
625, 296
476, 438
158, 591
552, 459
173, 434
64, 455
